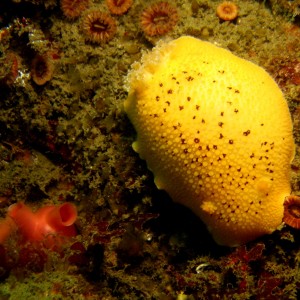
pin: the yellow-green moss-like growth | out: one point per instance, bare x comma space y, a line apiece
216, 131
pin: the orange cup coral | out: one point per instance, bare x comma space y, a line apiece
98, 27
227, 11
292, 211
42, 69
118, 7
73, 8
9, 68
159, 18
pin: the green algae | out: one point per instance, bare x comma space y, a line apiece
70, 140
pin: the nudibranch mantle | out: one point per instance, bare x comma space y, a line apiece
216, 132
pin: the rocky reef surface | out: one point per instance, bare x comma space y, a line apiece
65, 137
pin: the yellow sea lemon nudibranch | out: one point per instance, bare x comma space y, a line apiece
216, 132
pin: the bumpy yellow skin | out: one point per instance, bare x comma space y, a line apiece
216, 131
